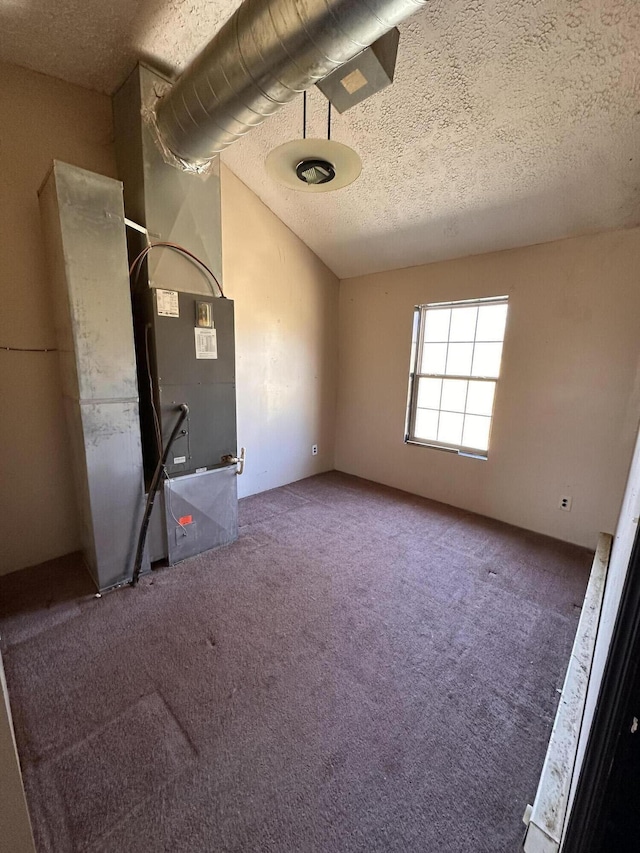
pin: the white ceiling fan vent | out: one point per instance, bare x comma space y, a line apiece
313, 165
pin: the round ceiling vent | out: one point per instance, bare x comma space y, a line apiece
315, 171
313, 165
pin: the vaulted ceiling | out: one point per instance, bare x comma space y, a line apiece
509, 122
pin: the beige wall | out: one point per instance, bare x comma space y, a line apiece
286, 314
568, 400
42, 118
286, 303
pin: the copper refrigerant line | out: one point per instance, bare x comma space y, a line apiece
134, 269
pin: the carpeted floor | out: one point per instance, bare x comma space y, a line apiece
362, 671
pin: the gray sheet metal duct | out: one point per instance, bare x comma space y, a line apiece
266, 53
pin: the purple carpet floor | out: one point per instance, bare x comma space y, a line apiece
363, 670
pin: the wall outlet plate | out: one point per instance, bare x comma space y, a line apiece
565, 503
314, 449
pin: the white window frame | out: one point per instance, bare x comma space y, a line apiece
420, 313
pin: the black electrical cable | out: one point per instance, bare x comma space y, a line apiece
329, 122
153, 488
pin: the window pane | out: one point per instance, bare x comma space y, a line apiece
426, 427
463, 341
476, 432
434, 357
486, 359
491, 322
463, 324
480, 398
454, 394
436, 324
429, 393
450, 428
459, 359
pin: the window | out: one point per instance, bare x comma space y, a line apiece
455, 364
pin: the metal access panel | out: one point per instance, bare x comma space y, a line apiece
178, 370
83, 225
201, 512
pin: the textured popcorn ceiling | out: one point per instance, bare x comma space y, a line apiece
509, 122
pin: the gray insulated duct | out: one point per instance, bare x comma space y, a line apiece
268, 52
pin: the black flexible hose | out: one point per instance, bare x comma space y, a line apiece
153, 488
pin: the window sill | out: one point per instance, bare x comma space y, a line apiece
468, 454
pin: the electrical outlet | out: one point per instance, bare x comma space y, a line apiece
314, 449
565, 503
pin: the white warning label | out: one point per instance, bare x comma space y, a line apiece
206, 343
167, 302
